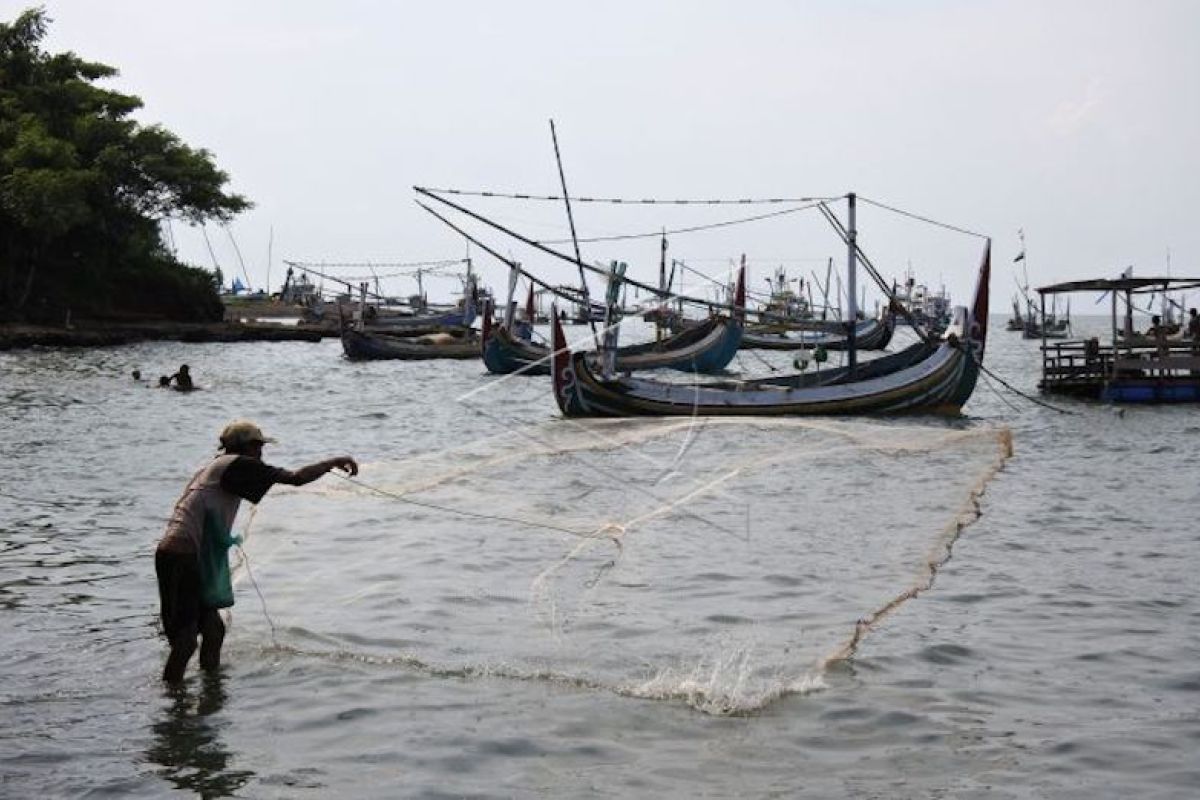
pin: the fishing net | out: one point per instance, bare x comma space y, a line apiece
724, 563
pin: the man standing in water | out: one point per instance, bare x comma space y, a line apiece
192, 558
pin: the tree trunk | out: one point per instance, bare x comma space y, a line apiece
8, 266
24, 297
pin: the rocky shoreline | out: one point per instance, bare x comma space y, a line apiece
102, 334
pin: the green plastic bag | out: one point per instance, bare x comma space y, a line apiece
216, 586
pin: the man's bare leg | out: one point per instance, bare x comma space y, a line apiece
212, 635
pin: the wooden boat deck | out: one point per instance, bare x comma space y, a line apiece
1129, 367
1129, 373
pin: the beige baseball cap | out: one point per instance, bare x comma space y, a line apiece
240, 433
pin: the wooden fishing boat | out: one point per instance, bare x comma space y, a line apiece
1051, 329
707, 348
370, 346
812, 325
505, 352
1046, 325
1017, 321
932, 377
413, 317
870, 334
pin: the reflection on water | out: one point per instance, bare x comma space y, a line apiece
187, 741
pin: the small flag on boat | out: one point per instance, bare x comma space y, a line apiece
1020, 257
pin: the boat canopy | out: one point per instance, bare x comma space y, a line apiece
1134, 285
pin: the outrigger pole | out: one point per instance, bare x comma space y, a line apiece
654, 290
554, 290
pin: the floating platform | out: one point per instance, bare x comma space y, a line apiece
1130, 367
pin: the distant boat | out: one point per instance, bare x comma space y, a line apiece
411, 316
373, 346
407, 337
870, 334
1035, 325
707, 348
1016, 322
927, 309
1054, 329
1050, 326
784, 304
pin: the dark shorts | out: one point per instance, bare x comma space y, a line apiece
178, 592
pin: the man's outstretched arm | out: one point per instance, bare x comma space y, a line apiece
310, 473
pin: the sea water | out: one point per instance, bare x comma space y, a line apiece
506, 603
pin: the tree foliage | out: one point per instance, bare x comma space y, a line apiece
84, 188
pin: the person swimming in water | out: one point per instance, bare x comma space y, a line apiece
183, 379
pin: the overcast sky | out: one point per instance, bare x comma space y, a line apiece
1076, 121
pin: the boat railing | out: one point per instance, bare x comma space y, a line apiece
1074, 361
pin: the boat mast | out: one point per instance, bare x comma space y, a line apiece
825, 289
839, 295
270, 245
238, 251
513, 273
671, 282
851, 268
1025, 270
662, 284
587, 300
612, 319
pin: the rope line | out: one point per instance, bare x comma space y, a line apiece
464, 513
766, 363
387, 275
920, 218
1015, 390
261, 599
988, 383
691, 229
645, 201
444, 262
